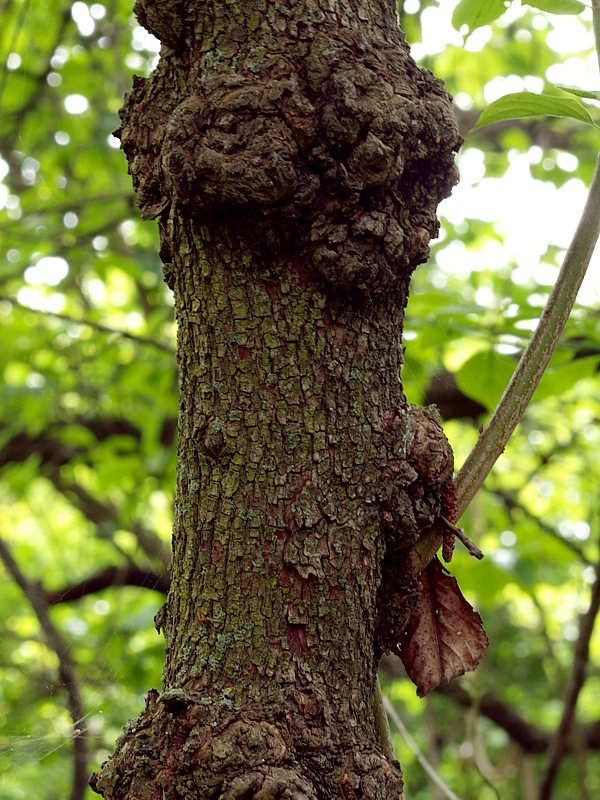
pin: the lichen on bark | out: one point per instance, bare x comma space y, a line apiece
294, 156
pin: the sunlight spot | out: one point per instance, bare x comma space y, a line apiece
98, 11
574, 530
436, 32
472, 166
134, 320
570, 632
76, 626
13, 209
485, 297
502, 85
508, 349
589, 575
567, 162
505, 559
94, 289
70, 219
535, 154
101, 607
70, 400
508, 539
464, 101
54, 79
466, 750
29, 170
569, 35
83, 19
49, 270
13, 61
60, 58
100, 243
35, 380
536, 438
545, 274
478, 39
439, 280
128, 230
76, 104
62, 138
113, 142
142, 40
135, 62
572, 72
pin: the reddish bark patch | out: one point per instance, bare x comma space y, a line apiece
216, 555
296, 639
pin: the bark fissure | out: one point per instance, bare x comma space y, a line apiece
294, 156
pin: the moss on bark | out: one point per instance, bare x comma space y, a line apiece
294, 156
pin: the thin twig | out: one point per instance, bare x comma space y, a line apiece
66, 667
97, 326
534, 360
462, 537
558, 745
435, 778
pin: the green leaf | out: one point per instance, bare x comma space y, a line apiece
557, 6
484, 377
475, 13
527, 104
587, 93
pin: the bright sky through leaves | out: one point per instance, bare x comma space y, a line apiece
529, 214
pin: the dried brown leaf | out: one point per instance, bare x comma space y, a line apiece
444, 637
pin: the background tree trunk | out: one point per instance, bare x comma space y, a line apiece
294, 156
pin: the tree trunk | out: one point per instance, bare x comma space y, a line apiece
294, 156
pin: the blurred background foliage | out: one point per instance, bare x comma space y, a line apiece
89, 397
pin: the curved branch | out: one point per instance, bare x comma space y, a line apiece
66, 667
22, 445
109, 577
535, 359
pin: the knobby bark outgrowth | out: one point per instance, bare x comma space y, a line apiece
293, 155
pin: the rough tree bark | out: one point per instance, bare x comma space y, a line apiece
294, 156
